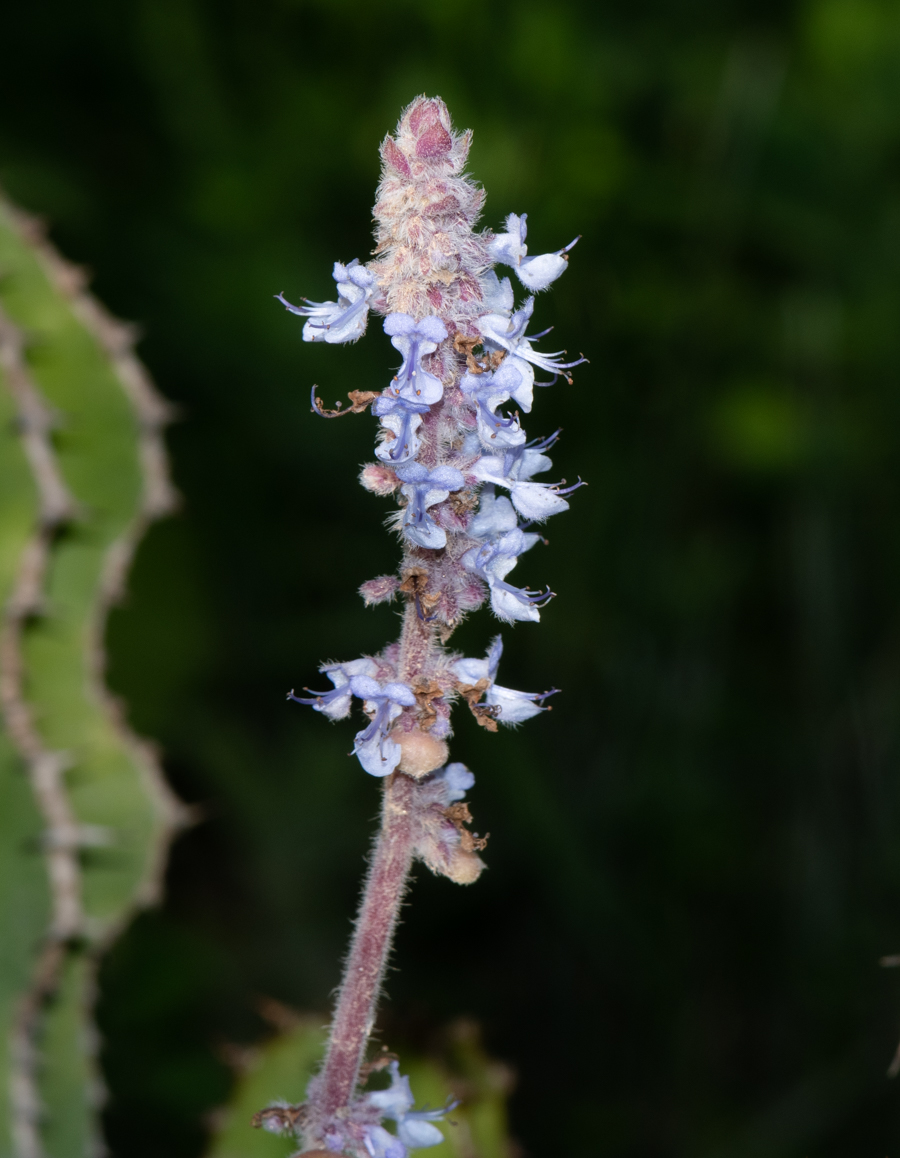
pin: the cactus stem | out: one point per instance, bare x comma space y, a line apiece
45, 767
56, 507
65, 963
158, 499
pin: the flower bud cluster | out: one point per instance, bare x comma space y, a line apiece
451, 446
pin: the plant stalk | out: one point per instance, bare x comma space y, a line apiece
385, 886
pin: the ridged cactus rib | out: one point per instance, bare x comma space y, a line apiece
111, 795
111, 457
27, 909
71, 1090
34, 421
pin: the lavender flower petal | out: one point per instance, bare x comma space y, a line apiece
343, 320
536, 273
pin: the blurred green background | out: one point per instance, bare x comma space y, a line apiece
695, 858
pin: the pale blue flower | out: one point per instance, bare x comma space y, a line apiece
414, 340
492, 562
403, 420
535, 501
378, 754
508, 334
343, 320
380, 1144
336, 703
532, 454
425, 488
535, 273
397, 1099
374, 749
511, 707
414, 1127
495, 516
497, 295
490, 390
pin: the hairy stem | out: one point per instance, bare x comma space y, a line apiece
369, 949
385, 886
417, 642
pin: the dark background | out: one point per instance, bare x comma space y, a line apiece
695, 858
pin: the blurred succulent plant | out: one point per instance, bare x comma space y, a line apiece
85, 813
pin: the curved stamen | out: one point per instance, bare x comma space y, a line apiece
376, 723
327, 309
496, 420
536, 598
562, 489
401, 442
317, 697
408, 371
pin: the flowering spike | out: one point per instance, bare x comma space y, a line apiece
452, 451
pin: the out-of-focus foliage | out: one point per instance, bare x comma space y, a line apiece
282, 1067
86, 816
24, 888
694, 862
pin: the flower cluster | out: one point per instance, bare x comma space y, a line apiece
451, 444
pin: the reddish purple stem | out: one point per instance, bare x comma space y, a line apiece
369, 949
383, 894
